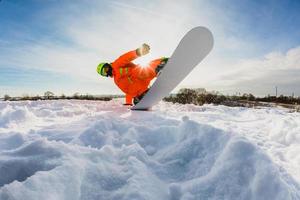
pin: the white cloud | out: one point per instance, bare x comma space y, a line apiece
261, 75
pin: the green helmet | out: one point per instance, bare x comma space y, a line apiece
100, 68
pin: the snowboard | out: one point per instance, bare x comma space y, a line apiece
191, 50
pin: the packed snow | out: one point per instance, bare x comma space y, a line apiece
102, 150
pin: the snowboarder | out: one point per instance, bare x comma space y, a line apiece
132, 79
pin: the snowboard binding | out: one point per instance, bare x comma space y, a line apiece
161, 65
137, 99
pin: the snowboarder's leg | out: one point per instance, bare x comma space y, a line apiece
155, 65
158, 64
128, 99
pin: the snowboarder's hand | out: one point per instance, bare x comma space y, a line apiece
143, 50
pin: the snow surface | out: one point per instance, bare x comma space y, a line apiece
101, 150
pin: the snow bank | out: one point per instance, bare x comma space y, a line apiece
101, 150
275, 130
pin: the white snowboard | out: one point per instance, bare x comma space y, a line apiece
191, 50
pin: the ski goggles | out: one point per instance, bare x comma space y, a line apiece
105, 70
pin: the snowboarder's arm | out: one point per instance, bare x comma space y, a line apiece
125, 59
131, 55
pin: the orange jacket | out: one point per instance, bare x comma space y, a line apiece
133, 79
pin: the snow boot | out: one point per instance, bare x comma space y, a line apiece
161, 65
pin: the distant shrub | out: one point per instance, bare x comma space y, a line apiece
187, 96
49, 95
7, 97
191, 96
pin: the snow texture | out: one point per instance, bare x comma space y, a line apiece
90, 150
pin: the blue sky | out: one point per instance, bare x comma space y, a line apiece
56, 45
273, 23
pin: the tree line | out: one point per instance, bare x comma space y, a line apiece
51, 96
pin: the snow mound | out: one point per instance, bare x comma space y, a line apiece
102, 152
13, 115
23, 162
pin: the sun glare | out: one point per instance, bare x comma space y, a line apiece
143, 61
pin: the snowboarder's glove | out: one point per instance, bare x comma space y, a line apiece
143, 50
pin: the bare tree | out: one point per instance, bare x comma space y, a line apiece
6, 97
48, 94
